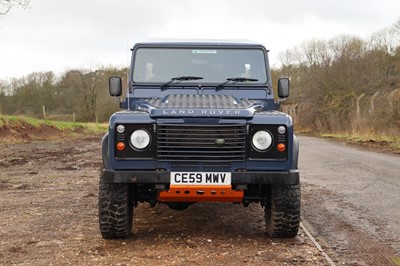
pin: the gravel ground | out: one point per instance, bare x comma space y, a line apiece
48, 215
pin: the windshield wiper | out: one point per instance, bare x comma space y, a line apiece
235, 80
182, 78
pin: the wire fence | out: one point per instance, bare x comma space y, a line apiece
376, 113
39, 112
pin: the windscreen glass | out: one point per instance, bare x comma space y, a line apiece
159, 65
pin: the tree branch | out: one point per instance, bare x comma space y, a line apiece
6, 5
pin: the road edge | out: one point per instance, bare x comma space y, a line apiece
317, 245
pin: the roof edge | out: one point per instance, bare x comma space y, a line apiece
202, 42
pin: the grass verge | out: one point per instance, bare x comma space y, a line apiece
380, 142
22, 128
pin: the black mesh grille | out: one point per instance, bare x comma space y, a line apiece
201, 142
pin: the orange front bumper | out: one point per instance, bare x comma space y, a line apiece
201, 194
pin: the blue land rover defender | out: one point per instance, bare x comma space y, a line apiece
199, 124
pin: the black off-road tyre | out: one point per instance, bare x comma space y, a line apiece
282, 211
115, 210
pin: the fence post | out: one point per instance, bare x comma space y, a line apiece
44, 112
73, 117
372, 103
391, 98
358, 105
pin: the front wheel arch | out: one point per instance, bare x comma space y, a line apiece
104, 151
295, 156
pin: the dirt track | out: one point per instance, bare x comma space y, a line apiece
48, 215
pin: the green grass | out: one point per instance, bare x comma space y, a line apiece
65, 127
396, 261
391, 141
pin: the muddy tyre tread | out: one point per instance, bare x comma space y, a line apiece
115, 210
282, 211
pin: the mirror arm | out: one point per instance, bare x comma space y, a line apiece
281, 100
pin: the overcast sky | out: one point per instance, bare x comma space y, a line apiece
60, 35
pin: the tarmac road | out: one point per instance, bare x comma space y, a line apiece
351, 201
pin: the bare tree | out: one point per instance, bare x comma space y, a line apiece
6, 5
330, 77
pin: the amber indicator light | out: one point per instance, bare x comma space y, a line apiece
281, 147
120, 146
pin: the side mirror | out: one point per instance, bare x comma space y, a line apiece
115, 86
283, 87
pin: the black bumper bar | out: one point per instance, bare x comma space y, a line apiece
291, 177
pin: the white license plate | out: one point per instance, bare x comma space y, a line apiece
200, 178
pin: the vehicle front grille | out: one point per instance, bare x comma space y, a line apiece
218, 143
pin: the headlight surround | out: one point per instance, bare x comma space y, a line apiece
140, 139
262, 140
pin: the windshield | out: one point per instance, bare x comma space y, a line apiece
213, 65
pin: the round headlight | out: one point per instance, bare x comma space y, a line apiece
120, 128
262, 140
140, 139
